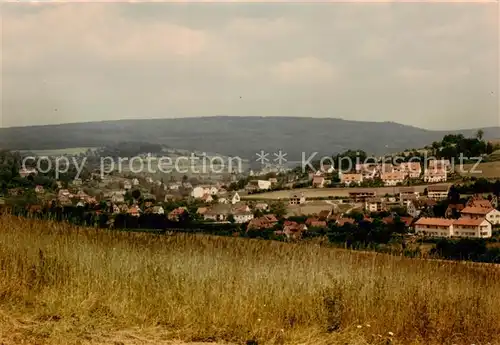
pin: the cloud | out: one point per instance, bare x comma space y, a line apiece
115, 60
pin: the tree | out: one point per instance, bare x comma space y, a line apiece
136, 194
480, 134
278, 209
230, 219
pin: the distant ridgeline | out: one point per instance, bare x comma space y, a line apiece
235, 136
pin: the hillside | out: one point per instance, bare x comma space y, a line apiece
235, 136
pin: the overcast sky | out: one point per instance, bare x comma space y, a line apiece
428, 65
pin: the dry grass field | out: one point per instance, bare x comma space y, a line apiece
65, 285
485, 170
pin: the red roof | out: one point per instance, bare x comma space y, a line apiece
465, 221
434, 221
477, 210
343, 221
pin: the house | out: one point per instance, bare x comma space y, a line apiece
408, 193
351, 178
412, 169
374, 205
174, 186
234, 198
435, 175
242, 217
200, 191
469, 227
438, 192
318, 182
202, 210
149, 179
491, 214
262, 206
134, 211
267, 221
413, 208
127, 185
313, 222
77, 182
118, 198
362, 194
297, 199
207, 198
393, 178
157, 210
438, 164
218, 213
292, 230
477, 201
116, 209
25, 172
64, 194
273, 180
258, 185
407, 221
435, 227
39, 189
176, 214
343, 221
241, 207
454, 210
135, 182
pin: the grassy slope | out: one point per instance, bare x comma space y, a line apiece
79, 286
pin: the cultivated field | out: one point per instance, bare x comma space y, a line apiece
63, 285
325, 192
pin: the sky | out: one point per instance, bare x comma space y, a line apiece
430, 65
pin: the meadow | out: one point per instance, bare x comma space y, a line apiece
61, 284
327, 192
487, 170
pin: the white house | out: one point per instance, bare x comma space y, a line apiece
432, 175
348, 178
374, 205
491, 214
258, 185
406, 193
297, 199
393, 178
242, 217
234, 198
469, 227
158, 210
436, 227
199, 191
438, 192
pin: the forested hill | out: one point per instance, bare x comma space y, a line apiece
242, 136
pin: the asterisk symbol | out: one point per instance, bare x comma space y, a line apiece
280, 157
262, 157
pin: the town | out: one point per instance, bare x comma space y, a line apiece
410, 201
